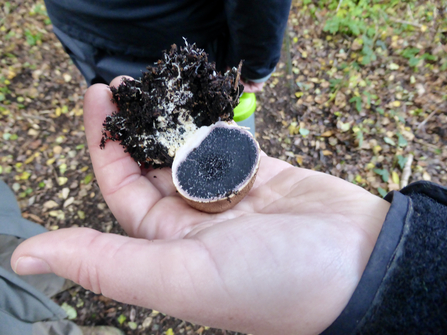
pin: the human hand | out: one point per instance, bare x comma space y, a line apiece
252, 87
286, 259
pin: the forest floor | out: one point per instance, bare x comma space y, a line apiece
360, 93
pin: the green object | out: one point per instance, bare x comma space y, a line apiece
246, 107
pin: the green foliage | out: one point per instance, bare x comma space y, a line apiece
38, 9
410, 54
88, 178
367, 50
358, 131
382, 192
357, 18
353, 17
334, 84
31, 38
360, 137
401, 141
358, 103
401, 160
370, 98
383, 173
339, 24
389, 141
121, 319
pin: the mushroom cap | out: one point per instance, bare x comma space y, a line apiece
216, 167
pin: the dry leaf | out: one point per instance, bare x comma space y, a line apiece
50, 204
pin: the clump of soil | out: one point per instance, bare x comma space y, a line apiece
159, 112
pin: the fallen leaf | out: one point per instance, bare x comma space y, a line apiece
393, 66
81, 215
67, 77
70, 311
395, 178
304, 131
57, 149
50, 204
59, 214
33, 217
121, 319
146, 323
340, 100
65, 192
62, 180
389, 141
50, 161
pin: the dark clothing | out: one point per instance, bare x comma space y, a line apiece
403, 288
251, 30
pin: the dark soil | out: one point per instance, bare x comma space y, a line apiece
182, 88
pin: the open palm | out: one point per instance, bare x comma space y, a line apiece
285, 259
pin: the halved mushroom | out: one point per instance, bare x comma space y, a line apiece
216, 167
178, 115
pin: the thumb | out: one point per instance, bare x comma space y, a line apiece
157, 274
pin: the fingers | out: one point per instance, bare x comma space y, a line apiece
118, 175
156, 274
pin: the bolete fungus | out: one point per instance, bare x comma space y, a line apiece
180, 112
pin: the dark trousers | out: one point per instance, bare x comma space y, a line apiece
102, 66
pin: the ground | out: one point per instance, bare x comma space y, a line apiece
360, 92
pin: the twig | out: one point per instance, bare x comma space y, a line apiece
339, 4
426, 119
37, 117
433, 146
289, 73
406, 172
410, 12
238, 75
406, 22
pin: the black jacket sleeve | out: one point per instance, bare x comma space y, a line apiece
403, 288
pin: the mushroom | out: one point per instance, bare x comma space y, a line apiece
179, 114
216, 167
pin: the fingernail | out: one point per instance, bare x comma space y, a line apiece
27, 265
